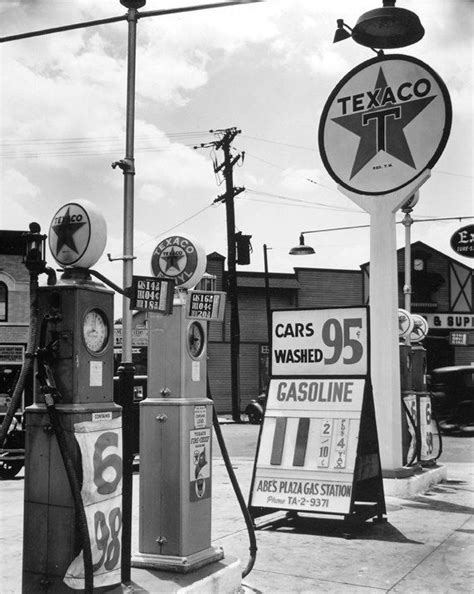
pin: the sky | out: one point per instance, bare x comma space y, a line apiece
266, 68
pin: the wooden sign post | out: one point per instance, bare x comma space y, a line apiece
318, 448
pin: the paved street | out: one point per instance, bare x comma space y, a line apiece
425, 546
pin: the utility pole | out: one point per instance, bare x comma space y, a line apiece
226, 137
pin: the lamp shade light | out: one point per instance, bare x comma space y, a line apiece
388, 27
301, 249
341, 32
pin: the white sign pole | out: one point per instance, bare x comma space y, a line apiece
385, 356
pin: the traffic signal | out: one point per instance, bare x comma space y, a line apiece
244, 248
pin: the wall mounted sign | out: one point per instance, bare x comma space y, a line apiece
180, 258
462, 241
450, 321
77, 234
386, 122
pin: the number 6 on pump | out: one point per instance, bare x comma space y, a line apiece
101, 449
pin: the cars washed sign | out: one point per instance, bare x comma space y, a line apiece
326, 341
386, 122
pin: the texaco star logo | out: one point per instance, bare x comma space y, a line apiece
70, 234
386, 122
381, 125
172, 261
175, 257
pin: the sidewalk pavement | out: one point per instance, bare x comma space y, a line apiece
425, 546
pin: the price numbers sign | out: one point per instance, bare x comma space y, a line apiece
206, 305
308, 444
101, 449
320, 342
152, 294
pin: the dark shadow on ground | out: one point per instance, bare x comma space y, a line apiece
369, 530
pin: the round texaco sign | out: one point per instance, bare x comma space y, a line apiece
181, 259
405, 323
386, 122
77, 234
420, 328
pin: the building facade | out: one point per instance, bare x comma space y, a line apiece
14, 310
442, 291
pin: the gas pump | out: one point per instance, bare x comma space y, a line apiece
420, 429
73, 470
176, 422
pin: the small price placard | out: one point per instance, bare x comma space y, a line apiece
320, 342
206, 305
152, 294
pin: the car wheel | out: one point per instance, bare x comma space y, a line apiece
9, 468
254, 417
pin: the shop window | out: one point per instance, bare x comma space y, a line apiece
3, 302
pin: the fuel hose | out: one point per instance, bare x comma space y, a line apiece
50, 393
236, 487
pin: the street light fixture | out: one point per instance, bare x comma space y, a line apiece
301, 249
384, 28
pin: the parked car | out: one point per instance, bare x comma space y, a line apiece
452, 390
256, 409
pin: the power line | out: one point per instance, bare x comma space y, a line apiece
177, 224
300, 200
314, 150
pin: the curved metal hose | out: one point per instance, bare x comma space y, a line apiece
237, 490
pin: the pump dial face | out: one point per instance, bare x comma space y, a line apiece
195, 339
95, 330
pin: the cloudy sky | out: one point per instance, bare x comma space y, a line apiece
265, 68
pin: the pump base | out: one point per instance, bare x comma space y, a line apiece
419, 482
178, 564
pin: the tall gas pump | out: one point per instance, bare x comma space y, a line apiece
73, 429
176, 421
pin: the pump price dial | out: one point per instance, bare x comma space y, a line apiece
95, 331
195, 340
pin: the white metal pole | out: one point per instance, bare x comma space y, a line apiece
385, 355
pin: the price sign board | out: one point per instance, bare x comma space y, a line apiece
318, 448
320, 341
308, 449
152, 294
206, 305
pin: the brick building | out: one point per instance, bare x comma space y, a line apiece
14, 309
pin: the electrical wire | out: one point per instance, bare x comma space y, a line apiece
300, 200
177, 224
